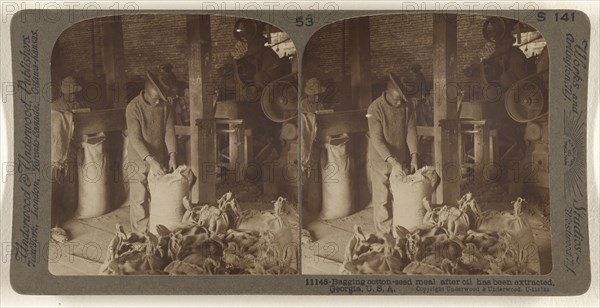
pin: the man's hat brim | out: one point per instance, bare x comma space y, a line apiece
398, 84
153, 78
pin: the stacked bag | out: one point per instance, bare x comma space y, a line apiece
450, 240
211, 240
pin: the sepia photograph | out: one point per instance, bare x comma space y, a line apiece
425, 147
174, 147
298, 149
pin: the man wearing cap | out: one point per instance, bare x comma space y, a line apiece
68, 99
152, 145
392, 145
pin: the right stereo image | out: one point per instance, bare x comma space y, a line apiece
424, 147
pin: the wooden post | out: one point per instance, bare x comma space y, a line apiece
494, 152
446, 124
113, 61
234, 142
248, 146
237, 155
360, 80
203, 152
481, 149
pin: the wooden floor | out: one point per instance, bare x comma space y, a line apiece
326, 253
86, 251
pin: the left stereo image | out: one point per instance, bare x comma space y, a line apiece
174, 147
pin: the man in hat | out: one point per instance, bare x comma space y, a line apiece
310, 100
152, 145
67, 101
392, 145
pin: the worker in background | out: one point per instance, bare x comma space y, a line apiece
392, 145
152, 146
63, 157
310, 100
310, 104
67, 101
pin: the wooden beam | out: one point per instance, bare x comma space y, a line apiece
446, 124
113, 61
494, 151
183, 130
425, 131
203, 154
352, 121
360, 62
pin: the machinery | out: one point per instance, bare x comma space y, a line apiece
279, 102
526, 101
267, 94
523, 83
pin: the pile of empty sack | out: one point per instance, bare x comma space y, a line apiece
209, 239
449, 240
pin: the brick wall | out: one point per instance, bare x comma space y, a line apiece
154, 39
397, 41
149, 41
76, 50
223, 42
324, 56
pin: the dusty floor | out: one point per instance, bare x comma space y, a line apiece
86, 251
326, 253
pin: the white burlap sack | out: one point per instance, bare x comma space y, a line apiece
408, 193
337, 184
166, 197
93, 172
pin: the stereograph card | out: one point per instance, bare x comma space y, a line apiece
286, 151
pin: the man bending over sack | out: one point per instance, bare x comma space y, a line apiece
152, 145
392, 145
